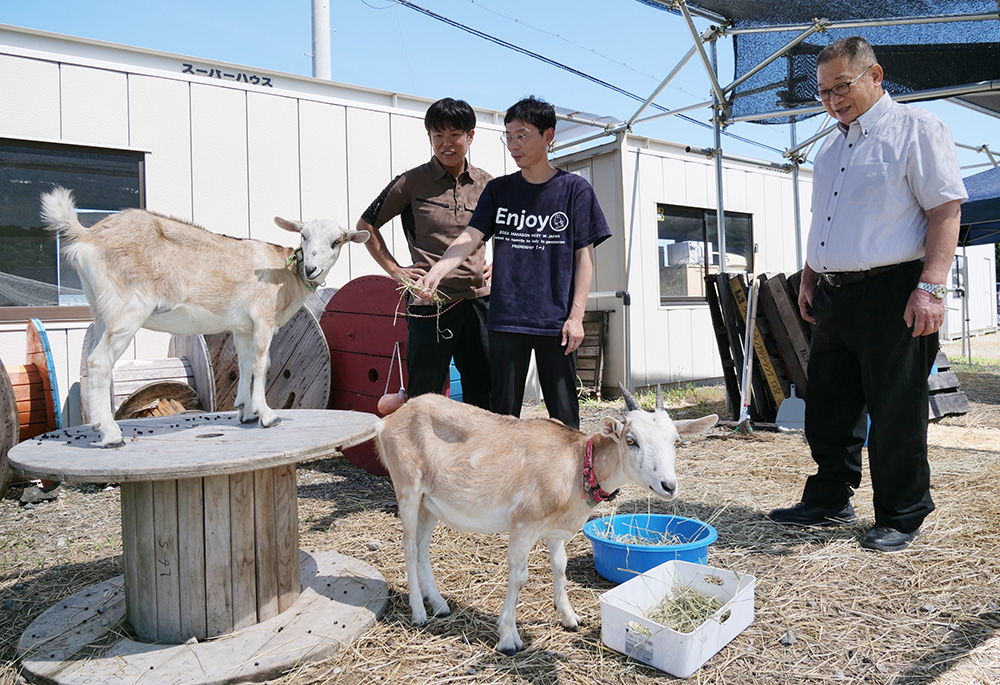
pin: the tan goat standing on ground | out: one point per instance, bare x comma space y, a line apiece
487, 473
143, 270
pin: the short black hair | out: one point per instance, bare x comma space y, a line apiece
450, 113
534, 111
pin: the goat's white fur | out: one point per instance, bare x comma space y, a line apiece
143, 270
487, 473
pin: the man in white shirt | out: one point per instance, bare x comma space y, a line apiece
887, 191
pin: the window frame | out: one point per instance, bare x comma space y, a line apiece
13, 314
707, 213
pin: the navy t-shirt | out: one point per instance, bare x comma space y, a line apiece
536, 229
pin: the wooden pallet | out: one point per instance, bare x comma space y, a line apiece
590, 355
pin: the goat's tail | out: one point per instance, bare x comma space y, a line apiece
59, 214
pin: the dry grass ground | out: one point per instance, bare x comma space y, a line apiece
827, 611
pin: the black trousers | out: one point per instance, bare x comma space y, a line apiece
510, 358
864, 362
432, 341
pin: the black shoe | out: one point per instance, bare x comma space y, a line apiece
886, 539
803, 514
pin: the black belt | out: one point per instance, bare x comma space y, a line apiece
850, 277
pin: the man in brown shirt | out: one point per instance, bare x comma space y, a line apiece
434, 202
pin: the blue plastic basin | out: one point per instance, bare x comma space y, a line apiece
621, 561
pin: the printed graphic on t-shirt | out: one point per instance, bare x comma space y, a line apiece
526, 231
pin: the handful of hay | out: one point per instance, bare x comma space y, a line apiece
683, 610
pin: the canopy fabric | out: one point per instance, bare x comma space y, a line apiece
915, 57
981, 213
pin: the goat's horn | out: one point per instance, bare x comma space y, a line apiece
630, 402
659, 398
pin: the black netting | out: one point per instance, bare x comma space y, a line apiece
915, 57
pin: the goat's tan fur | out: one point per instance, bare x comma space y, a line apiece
144, 270
487, 473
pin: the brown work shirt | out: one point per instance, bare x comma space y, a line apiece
434, 209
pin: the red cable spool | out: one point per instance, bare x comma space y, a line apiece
363, 322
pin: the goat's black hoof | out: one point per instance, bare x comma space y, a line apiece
509, 651
252, 419
113, 445
276, 422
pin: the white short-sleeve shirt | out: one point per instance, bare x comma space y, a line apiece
872, 184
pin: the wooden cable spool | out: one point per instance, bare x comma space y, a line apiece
298, 376
362, 323
29, 397
188, 364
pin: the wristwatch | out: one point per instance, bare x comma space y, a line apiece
937, 290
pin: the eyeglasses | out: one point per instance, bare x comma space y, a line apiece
518, 138
841, 88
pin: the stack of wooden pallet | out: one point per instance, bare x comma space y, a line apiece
781, 348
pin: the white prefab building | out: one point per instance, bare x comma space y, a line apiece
230, 147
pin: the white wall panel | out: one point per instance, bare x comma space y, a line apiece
409, 144
160, 121
94, 106
273, 166
30, 93
369, 170
488, 153
219, 159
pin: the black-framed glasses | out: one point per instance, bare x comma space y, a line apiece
842, 88
508, 139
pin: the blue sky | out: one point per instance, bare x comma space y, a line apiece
381, 44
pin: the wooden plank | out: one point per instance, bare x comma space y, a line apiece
142, 613
218, 546
265, 535
130, 561
242, 564
586, 363
942, 381
777, 326
947, 404
796, 350
729, 366
286, 532
168, 590
355, 401
772, 383
191, 550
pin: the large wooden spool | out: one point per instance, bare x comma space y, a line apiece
362, 323
142, 381
29, 397
299, 374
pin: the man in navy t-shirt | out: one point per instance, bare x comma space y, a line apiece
544, 224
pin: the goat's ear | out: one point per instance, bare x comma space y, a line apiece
612, 428
696, 426
293, 226
357, 236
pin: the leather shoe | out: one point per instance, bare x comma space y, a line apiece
803, 514
886, 539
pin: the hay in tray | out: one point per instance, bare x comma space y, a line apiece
684, 610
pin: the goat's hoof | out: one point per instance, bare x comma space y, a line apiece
248, 419
111, 445
272, 423
510, 651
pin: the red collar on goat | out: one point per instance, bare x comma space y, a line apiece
590, 485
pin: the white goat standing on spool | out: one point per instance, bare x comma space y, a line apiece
143, 270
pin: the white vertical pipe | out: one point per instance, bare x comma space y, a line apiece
321, 39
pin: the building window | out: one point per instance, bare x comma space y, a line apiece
32, 272
688, 248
